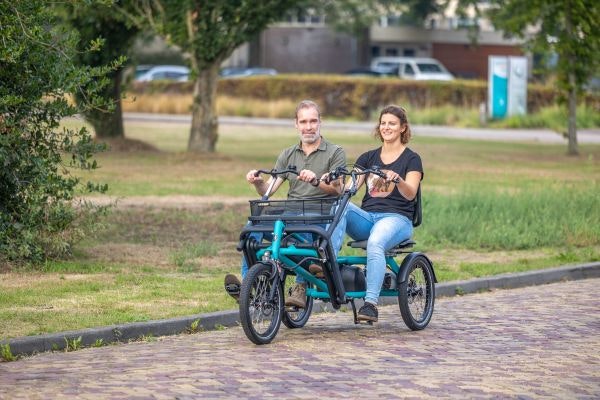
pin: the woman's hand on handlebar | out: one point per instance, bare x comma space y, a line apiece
391, 176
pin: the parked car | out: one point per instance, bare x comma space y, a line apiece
368, 71
237, 72
417, 68
145, 73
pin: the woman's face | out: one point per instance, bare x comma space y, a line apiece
390, 127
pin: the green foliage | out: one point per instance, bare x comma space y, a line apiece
568, 28
551, 117
209, 31
73, 344
195, 326
37, 217
105, 38
6, 353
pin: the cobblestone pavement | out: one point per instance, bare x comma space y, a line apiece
535, 342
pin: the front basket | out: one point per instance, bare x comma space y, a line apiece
317, 211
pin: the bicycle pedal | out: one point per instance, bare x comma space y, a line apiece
363, 322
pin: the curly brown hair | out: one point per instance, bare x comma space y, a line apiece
399, 112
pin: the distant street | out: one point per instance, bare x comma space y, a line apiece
584, 136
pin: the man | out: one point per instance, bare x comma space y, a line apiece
313, 157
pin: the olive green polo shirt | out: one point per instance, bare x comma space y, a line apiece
325, 158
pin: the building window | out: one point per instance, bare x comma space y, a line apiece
375, 51
392, 52
303, 17
408, 52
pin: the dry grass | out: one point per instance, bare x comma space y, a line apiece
182, 104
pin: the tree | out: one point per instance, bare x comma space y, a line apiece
37, 217
568, 28
207, 31
99, 21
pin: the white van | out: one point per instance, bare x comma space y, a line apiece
418, 68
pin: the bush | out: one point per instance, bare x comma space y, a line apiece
37, 217
359, 98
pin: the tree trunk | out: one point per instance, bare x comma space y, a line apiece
572, 99
205, 125
109, 124
572, 132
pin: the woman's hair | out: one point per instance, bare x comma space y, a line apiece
401, 114
307, 104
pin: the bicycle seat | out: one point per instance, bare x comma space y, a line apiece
399, 248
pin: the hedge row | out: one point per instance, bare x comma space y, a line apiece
353, 97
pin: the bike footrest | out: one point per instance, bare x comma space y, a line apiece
362, 244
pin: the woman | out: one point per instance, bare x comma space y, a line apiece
385, 216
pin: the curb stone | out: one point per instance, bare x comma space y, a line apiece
210, 321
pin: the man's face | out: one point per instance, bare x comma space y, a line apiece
308, 124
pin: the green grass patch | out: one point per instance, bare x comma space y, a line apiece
489, 208
501, 220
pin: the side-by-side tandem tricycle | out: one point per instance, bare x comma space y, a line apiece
299, 234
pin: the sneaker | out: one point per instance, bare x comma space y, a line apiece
233, 286
297, 296
368, 312
316, 270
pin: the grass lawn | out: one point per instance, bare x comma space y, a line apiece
489, 208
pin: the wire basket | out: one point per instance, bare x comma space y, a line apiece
317, 211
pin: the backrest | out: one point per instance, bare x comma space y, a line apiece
418, 214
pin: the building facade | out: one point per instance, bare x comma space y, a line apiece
307, 45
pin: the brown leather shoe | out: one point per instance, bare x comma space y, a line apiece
233, 286
297, 296
316, 270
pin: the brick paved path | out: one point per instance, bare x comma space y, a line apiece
534, 342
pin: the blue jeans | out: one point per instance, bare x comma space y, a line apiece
383, 231
337, 238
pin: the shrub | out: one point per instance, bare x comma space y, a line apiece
37, 217
358, 98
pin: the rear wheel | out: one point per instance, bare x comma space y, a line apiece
261, 304
295, 317
416, 295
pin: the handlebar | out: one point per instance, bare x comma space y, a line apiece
274, 173
290, 169
354, 174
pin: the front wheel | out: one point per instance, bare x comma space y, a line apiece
261, 304
416, 294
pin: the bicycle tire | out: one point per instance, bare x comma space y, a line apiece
261, 317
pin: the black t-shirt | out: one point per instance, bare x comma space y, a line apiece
382, 197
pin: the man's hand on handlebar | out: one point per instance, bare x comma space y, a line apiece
254, 177
306, 175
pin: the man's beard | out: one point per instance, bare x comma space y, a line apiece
310, 138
